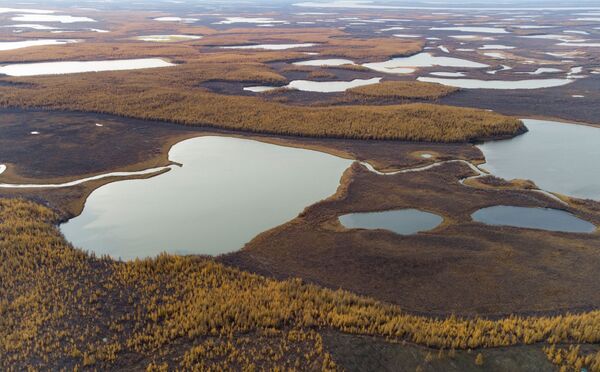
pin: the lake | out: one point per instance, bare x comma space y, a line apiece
497, 84
558, 157
228, 191
71, 67
406, 65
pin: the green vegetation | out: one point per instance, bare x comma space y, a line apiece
62, 307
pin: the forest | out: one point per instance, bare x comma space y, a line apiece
175, 96
62, 306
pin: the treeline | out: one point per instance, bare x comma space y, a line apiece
62, 307
403, 90
173, 96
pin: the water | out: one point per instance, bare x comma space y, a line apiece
533, 218
176, 19
253, 20
558, 157
485, 30
316, 86
355, 4
228, 191
495, 47
168, 38
25, 10
34, 18
405, 65
498, 84
325, 62
12, 45
542, 70
448, 74
403, 221
329, 86
71, 67
32, 26
259, 88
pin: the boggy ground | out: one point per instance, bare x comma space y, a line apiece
73, 145
70, 146
364, 353
541, 103
461, 267
64, 309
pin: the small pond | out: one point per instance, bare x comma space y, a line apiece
71, 67
402, 221
533, 218
12, 45
406, 65
317, 86
484, 30
168, 38
329, 86
50, 18
325, 62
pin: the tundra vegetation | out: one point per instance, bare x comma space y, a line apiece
402, 90
174, 95
62, 307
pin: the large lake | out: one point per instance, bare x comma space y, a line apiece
558, 157
228, 191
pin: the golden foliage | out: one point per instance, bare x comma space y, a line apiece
60, 306
320, 74
99, 51
572, 358
351, 67
403, 90
173, 95
373, 48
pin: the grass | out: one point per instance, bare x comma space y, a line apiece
63, 308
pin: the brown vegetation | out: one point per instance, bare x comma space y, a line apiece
462, 267
89, 51
403, 90
60, 307
351, 67
320, 74
172, 96
572, 358
500, 183
372, 49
